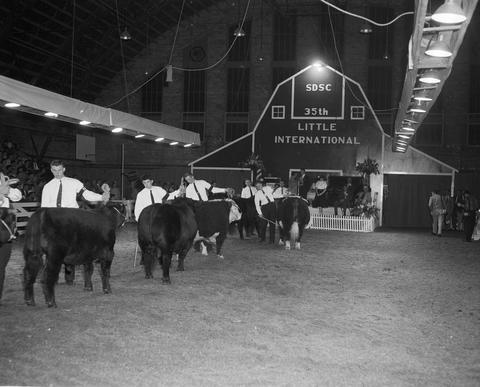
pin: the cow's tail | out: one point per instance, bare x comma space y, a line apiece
294, 230
33, 236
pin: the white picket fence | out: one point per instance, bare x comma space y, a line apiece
340, 223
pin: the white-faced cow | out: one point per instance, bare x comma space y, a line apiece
293, 216
71, 236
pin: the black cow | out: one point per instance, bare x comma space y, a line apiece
293, 216
7, 234
164, 229
213, 219
71, 236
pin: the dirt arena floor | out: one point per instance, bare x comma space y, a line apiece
389, 308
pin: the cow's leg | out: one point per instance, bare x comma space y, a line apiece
182, 255
33, 264
147, 258
53, 264
204, 248
87, 276
69, 274
105, 265
166, 260
220, 239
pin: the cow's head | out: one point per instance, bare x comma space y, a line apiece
235, 213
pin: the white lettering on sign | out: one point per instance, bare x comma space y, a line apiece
316, 140
317, 126
318, 87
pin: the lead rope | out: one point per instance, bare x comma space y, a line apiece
12, 235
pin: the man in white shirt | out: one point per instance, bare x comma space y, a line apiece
199, 190
62, 191
7, 193
280, 191
248, 192
266, 210
151, 194
248, 207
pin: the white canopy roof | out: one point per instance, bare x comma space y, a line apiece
39, 101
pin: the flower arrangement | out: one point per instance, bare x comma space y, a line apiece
254, 162
367, 167
365, 210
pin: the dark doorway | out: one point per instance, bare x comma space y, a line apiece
405, 198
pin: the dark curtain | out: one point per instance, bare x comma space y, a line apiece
405, 201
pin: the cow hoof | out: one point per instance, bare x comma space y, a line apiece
148, 276
166, 280
52, 304
297, 245
107, 291
180, 268
281, 242
30, 302
220, 256
88, 289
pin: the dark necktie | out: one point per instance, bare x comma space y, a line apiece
198, 193
251, 192
151, 197
266, 197
59, 195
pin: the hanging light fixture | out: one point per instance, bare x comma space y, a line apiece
430, 76
407, 126
125, 35
422, 95
417, 107
239, 31
366, 28
439, 48
449, 12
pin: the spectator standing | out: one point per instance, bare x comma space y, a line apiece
437, 210
304, 184
199, 190
470, 206
247, 197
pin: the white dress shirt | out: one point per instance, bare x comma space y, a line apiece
144, 199
202, 187
70, 188
280, 192
262, 197
247, 194
14, 194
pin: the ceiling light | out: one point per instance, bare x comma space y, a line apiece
125, 35
366, 28
439, 48
159, 139
50, 114
174, 143
401, 142
417, 107
239, 32
404, 136
422, 95
449, 13
12, 105
187, 145
408, 128
84, 122
430, 76
117, 130
140, 135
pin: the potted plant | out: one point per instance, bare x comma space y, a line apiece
366, 168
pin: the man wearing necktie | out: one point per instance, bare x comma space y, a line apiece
266, 211
149, 195
199, 190
248, 206
62, 191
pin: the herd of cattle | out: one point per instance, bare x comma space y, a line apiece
56, 236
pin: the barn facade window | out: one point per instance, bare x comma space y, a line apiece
285, 37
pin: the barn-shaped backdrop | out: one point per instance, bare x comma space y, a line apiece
321, 120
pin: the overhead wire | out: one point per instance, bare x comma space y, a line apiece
184, 69
73, 46
123, 57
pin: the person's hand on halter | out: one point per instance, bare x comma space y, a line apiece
106, 192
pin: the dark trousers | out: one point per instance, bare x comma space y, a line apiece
269, 219
69, 274
469, 225
5, 252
